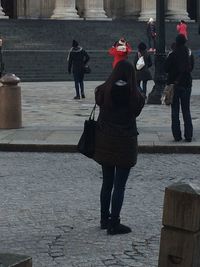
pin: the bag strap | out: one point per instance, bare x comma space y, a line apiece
92, 114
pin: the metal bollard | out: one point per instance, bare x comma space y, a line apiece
180, 236
10, 102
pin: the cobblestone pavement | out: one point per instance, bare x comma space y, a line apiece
49, 209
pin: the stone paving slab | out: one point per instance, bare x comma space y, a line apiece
52, 118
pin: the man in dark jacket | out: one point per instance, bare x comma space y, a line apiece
77, 60
179, 65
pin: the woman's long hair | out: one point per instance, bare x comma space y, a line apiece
125, 71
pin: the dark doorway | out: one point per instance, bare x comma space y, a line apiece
9, 7
192, 9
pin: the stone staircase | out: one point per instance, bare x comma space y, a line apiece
36, 50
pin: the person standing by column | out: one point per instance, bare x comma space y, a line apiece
151, 35
77, 59
178, 65
116, 141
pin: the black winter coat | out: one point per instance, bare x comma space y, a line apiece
77, 59
179, 65
116, 135
144, 74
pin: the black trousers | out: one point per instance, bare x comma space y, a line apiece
112, 191
181, 99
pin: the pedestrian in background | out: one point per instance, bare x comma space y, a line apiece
178, 65
116, 141
143, 75
182, 28
120, 51
77, 59
151, 35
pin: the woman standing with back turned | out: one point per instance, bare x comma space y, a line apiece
116, 141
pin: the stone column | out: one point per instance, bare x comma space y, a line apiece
21, 9
65, 10
177, 10
2, 14
132, 9
108, 8
118, 9
148, 10
45, 8
94, 10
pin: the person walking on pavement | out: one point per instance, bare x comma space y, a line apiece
182, 28
143, 75
77, 59
116, 141
178, 65
120, 51
151, 35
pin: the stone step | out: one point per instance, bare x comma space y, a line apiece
38, 49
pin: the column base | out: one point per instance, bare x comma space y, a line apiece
63, 18
95, 18
4, 17
95, 15
145, 16
177, 15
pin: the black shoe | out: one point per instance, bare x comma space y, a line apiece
178, 139
77, 97
188, 140
104, 224
83, 96
118, 229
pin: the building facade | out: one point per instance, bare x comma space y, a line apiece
140, 10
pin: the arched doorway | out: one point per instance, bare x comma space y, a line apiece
192, 9
9, 7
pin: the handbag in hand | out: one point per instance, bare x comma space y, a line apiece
140, 63
87, 69
168, 95
86, 144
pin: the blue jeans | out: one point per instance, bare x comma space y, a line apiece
112, 191
181, 99
79, 85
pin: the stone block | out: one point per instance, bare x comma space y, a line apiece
182, 207
13, 260
179, 248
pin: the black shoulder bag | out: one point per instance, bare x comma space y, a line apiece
86, 144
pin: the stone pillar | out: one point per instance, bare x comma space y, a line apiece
2, 14
108, 8
118, 9
180, 236
132, 9
177, 10
148, 10
65, 10
28, 9
80, 7
94, 10
45, 8
20, 9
